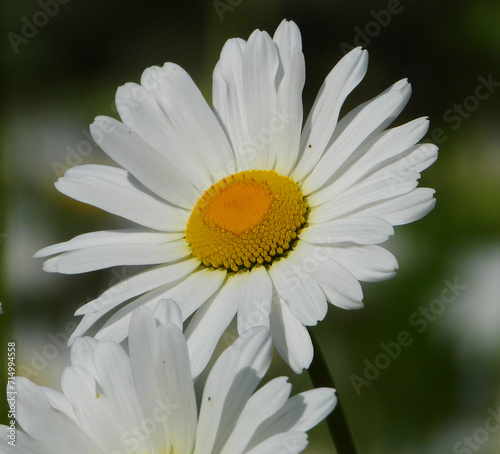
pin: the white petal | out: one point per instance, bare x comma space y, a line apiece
356, 229
260, 406
59, 401
368, 263
197, 289
381, 151
139, 110
404, 209
319, 403
376, 188
290, 337
370, 118
96, 258
168, 311
82, 354
139, 284
260, 67
151, 393
115, 377
287, 122
255, 300
118, 192
301, 292
47, 425
210, 321
287, 38
319, 263
230, 384
189, 293
288, 442
174, 356
152, 169
229, 101
92, 408
322, 120
106, 237
407, 167
301, 413
419, 157
187, 110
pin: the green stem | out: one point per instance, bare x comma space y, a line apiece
336, 420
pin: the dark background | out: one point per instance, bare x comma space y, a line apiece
58, 76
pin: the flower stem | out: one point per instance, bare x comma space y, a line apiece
336, 420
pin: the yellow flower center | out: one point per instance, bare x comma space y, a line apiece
246, 219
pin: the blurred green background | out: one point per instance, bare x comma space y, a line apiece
63, 70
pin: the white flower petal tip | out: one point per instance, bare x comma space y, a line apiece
360, 230
289, 31
284, 255
290, 442
107, 393
168, 311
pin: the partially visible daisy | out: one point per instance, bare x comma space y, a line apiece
145, 404
243, 212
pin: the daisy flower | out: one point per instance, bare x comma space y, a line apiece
242, 210
114, 403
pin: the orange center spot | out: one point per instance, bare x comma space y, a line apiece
249, 218
238, 207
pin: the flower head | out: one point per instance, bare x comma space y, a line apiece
145, 403
242, 209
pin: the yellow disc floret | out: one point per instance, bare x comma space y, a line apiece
246, 219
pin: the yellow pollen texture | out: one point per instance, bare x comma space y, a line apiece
246, 219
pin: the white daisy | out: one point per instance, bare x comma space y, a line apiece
145, 404
243, 212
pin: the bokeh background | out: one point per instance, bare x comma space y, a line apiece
63, 69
